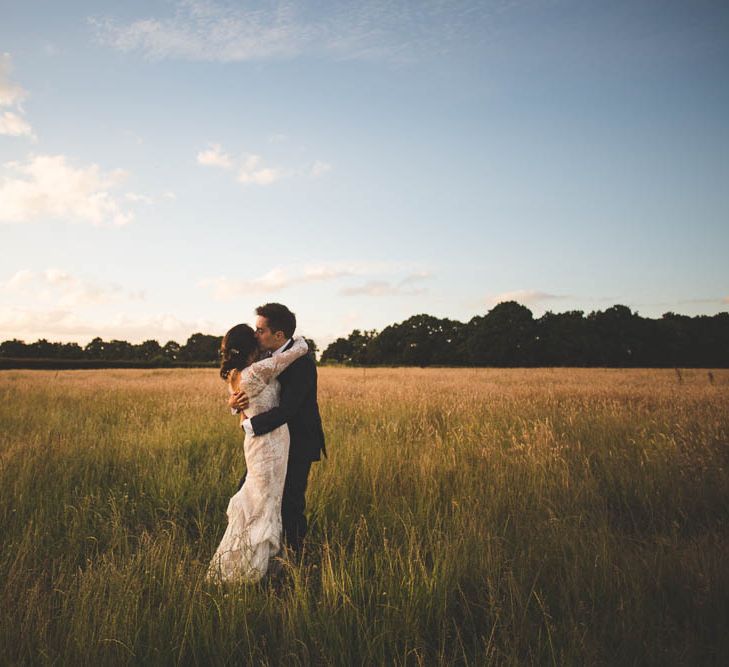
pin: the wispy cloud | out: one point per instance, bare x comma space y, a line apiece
18, 280
12, 94
14, 125
65, 306
57, 288
525, 297
205, 30
47, 186
410, 285
64, 324
225, 289
252, 172
251, 169
319, 168
214, 156
371, 288
280, 278
138, 198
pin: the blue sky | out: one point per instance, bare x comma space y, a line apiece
166, 166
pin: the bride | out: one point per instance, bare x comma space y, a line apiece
253, 535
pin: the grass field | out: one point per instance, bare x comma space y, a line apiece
475, 517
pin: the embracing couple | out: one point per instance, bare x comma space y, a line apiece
272, 383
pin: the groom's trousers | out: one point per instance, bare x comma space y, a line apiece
293, 505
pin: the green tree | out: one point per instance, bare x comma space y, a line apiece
148, 350
201, 347
421, 340
621, 335
563, 339
95, 349
340, 351
355, 349
171, 350
14, 348
505, 336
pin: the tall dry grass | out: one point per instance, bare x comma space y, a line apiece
463, 517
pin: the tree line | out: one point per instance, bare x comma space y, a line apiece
509, 335
199, 348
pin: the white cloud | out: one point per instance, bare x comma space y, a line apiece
66, 306
251, 169
64, 324
214, 156
57, 276
416, 277
47, 186
251, 172
18, 280
11, 93
324, 272
524, 297
137, 198
225, 289
371, 288
16, 322
725, 300
320, 168
280, 278
60, 289
12, 123
407, 286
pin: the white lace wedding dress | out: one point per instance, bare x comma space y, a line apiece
253, 535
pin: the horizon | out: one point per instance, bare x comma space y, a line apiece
166, 164
321, 348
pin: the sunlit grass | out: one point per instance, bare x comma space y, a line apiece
463, 516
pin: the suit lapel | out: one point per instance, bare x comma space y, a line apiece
284, 373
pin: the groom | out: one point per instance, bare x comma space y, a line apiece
275, 325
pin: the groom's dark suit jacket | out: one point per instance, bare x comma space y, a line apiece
298, 408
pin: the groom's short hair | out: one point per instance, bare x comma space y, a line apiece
279, 318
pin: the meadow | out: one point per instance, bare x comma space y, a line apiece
470, 516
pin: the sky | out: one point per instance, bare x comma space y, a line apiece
168, 165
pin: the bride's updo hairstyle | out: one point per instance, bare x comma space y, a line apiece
236, 349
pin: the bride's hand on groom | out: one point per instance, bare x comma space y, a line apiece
238, 401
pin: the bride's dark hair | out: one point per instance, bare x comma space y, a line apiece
236, 349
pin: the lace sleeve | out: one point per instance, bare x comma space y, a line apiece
267, 369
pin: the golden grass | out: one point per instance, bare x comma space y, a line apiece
559, 516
